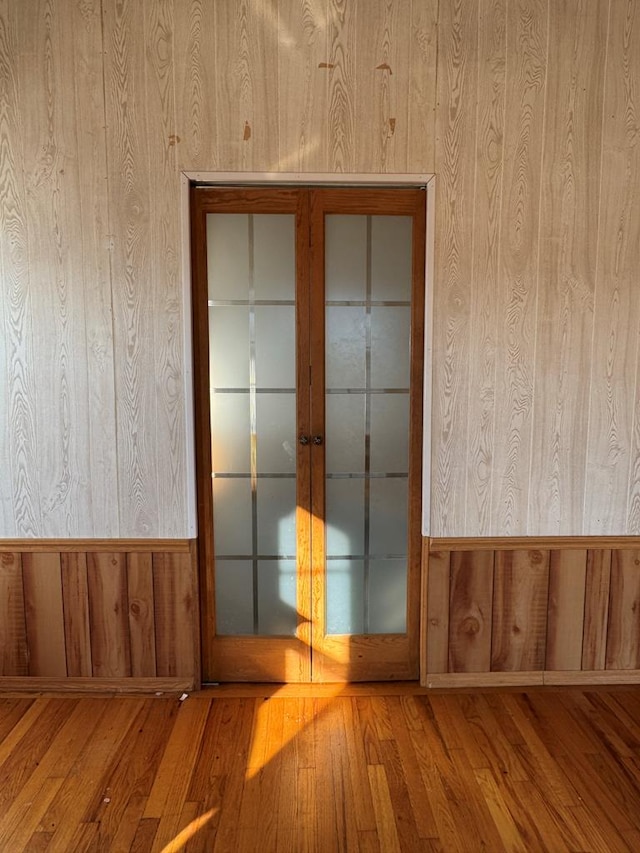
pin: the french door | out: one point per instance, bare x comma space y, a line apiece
308, 308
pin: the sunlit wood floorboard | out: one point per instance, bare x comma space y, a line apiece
322, 769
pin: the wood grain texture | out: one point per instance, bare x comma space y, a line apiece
141, 613
175, 613
303, 84
570, 199
517, 276
340, 66
108, 603
77, 627
521, 583
566, 609
421, 110
623, 645
44, 614
517, 770
485, 262
455, 160
436, 614
596, 609
471, 611
13, 629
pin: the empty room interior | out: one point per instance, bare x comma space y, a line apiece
319, 425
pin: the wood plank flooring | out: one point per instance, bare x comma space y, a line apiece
361, 768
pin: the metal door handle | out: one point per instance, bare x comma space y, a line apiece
317, 439
304, 439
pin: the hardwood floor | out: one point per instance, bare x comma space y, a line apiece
358, 768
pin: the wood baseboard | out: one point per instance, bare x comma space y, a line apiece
526, 543
110, 546
35, 684
486, 680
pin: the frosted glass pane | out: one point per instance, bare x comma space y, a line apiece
391, 257
388, 596
344, 517
229, 347
345, 347
234, 602
274, 255
345, 257
389, 433
277, 517
275, 347
232, 517
345, 594
344, 433
228, 255
390, 347
230, 433
276, 427
388, 517
277, 607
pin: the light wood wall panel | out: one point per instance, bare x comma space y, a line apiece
556, 612
527, 113
123, 616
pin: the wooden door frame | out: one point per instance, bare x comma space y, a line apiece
273, 180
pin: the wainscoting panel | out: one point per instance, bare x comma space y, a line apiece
98, 612
558, 611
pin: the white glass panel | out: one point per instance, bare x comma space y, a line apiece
389, 433
230, 433
229, 347
344, 517
390, 347
232, 517
276, 427
388, 516
274, 255
277, 517
275, 346
344, 433
277, 608
345, 347
345, 594
228, 255
345, 257
234, 602
388, 596
391, 257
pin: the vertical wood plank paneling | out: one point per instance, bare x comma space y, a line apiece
471, 611
623, 642
567, 579
526, 37
132, 287
75, 600
195, 86
174, 613
246, 85
108, 609
340, 67
19, 465
13, 628
382, 74
142, 628
303, 85
47, 76
568, 246
485, 264
596, 609
437, 624
521, 585
92, 279
455, 160
165, 267
422, 96
617, 309
44, 613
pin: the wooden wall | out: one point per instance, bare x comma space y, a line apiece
90, 614
527, 112
527, 612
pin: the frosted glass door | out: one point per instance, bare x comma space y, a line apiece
368, 283
252, 368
